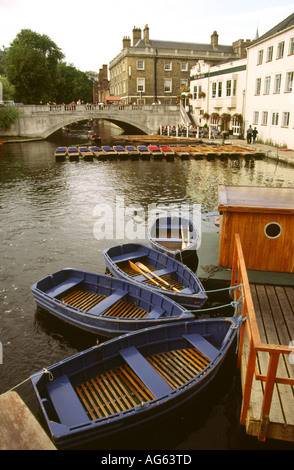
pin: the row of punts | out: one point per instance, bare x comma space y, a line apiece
158, 357
157, 152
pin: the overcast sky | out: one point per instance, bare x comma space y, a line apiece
90, 32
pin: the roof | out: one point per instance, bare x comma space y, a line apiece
256, 198
285, 24
156, 44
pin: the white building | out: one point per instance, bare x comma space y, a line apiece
218, 94
269, 90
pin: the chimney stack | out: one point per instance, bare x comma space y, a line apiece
136, 35
146, 34
214, 40
126, 42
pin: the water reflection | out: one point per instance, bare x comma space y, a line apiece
47, 217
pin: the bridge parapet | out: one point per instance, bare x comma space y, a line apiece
43, 120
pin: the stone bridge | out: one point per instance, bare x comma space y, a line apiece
41, 121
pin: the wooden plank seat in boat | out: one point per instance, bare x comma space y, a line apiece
97, 304
108, 302
114, 391
202, 345
153, 381
66, 402
127, 256
64, 286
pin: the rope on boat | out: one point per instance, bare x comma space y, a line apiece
44, 371
230, 289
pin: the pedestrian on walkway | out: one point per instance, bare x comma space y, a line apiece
254, 134
249, 134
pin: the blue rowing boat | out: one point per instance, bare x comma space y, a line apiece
131, 380
103, 305
177, 237
157, 271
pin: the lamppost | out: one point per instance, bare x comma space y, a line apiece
5, 65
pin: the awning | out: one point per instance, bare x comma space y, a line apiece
112, 98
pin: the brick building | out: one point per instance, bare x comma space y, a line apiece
148, 70
101, 89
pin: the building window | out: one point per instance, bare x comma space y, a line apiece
167, 85
255, 117
140, 65
229, 87
197, 90
213, 94
184, 83
291, 46
167, 65
269, 53
220, 89
289, 81
267, 85
280, 51
278, 79
184, 66
258, 86
264, 118
285, 119
275, 119
234, 87
260, 57
140, 85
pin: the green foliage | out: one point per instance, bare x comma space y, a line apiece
72, 85
38, 75
8, 115
8, 89
32, 61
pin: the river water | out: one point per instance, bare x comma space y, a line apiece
50, 218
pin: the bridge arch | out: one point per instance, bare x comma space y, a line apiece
126, 125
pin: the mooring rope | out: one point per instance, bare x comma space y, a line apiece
44, 371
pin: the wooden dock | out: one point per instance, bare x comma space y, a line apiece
19, 430
267, 372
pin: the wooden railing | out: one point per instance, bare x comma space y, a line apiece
240, 277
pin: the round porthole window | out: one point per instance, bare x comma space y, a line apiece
273, 230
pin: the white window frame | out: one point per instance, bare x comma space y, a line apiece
291, 46
140, 85
269, 53
258, 87
285, 119
168, 65
213, 89
196, 91
255, 117
267, 85
278, 82
275, 118
280, 50
260, 57
219, 89
140, 64
289, 81
184, 66
166, 90
264, 118
229, 88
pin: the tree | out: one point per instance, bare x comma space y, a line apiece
32, 61
73, 85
